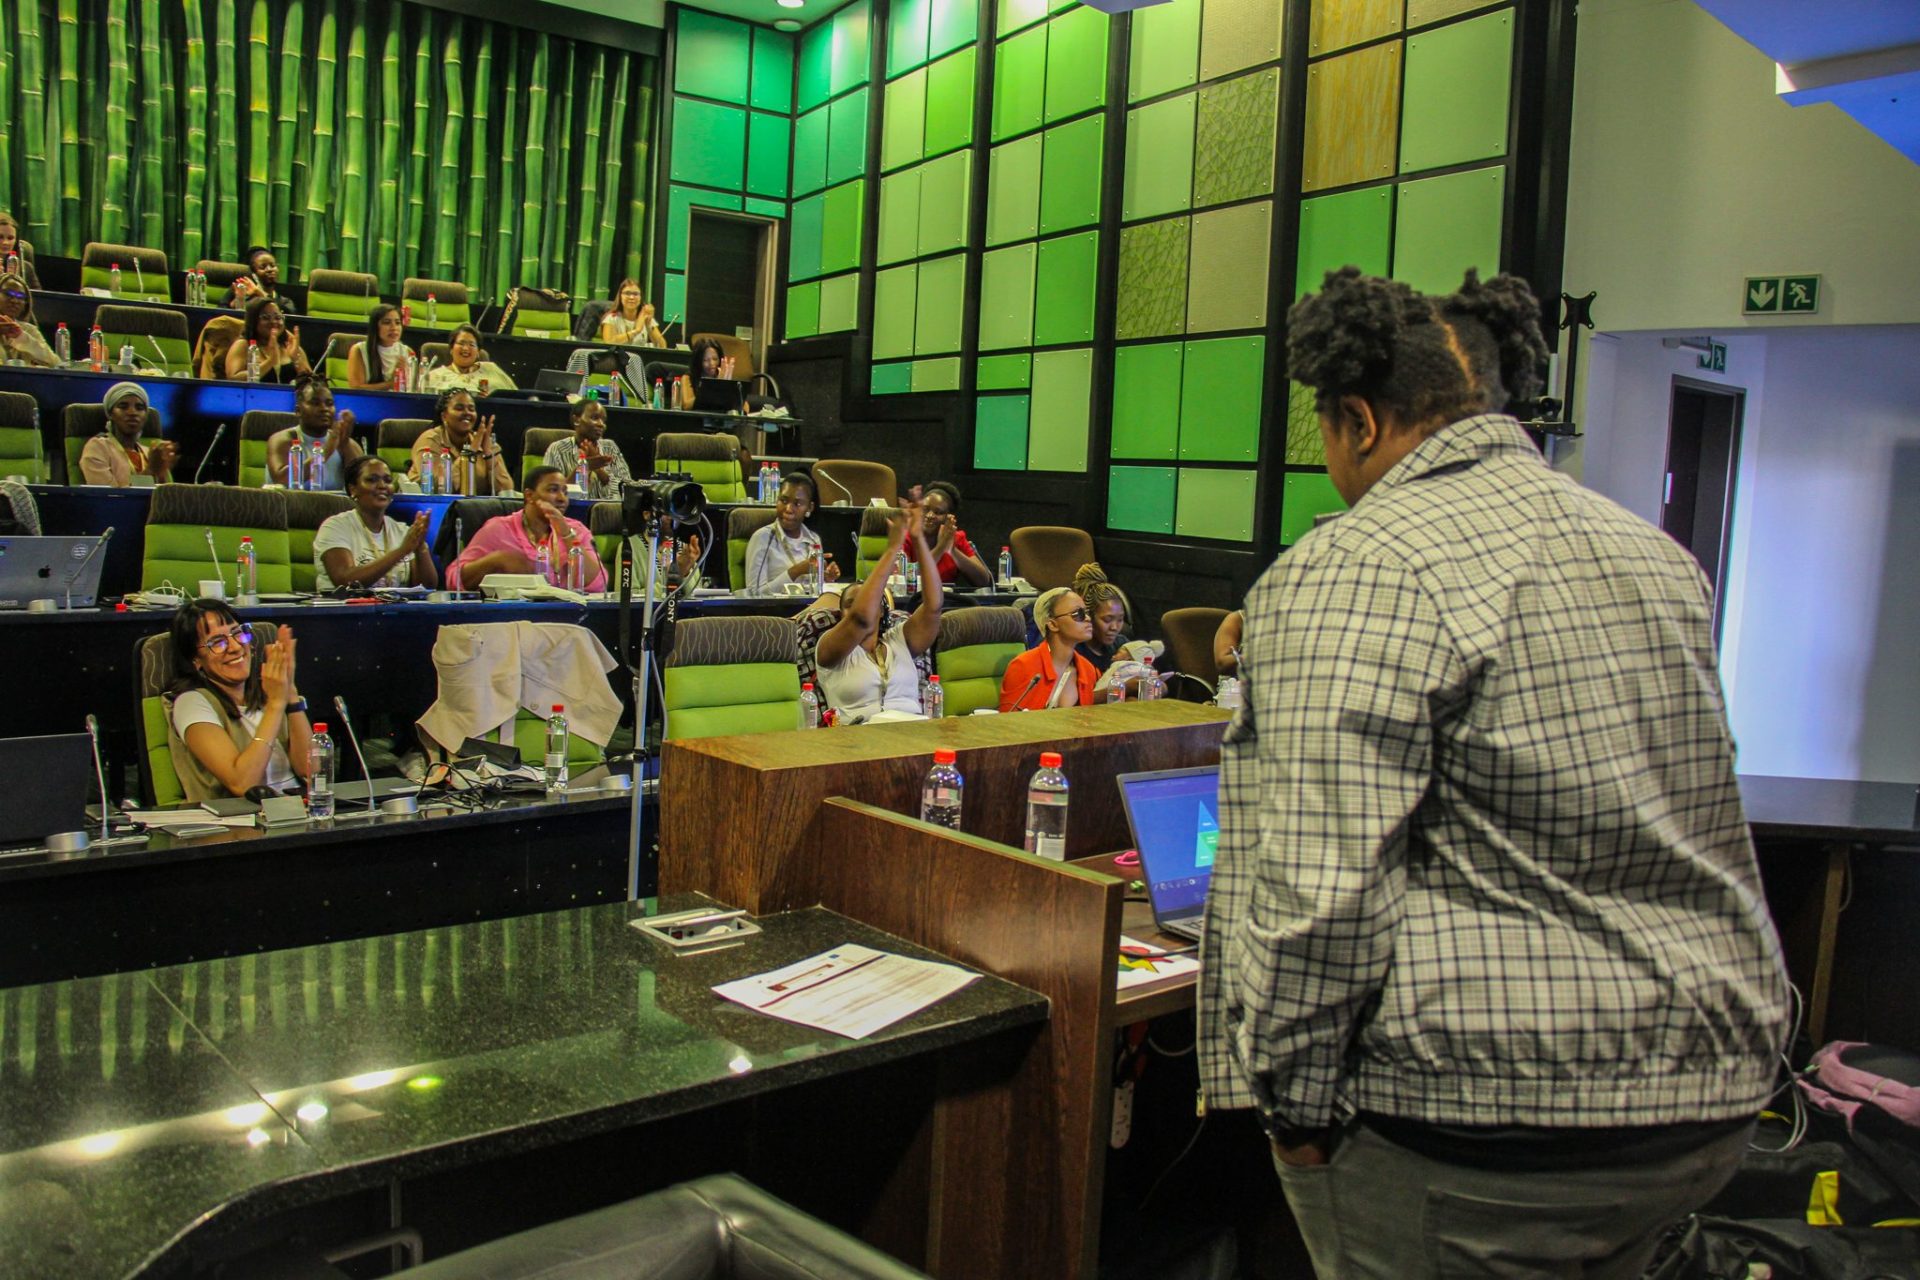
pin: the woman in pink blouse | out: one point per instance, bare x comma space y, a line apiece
510, 543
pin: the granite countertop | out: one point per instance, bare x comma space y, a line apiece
136, 1107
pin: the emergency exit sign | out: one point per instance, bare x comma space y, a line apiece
1781, 295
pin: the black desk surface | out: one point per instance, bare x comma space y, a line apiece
1832, 809
136, 1109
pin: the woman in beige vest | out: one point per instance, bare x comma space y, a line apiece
237, 721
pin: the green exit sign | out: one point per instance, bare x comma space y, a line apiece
1781, 295
1716, 358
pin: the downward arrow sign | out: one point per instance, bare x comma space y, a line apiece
1761, 295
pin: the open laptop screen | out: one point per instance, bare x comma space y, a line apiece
1175, 815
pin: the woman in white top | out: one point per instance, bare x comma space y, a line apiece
374, 362
366, 546
238, 721
868, 664
783, 551
465, 368
630, 321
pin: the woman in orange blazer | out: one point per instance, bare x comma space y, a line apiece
1065, 679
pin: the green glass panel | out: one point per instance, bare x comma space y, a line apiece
709, 143
1445, 225
1227, 278
1159, 172
1216, 504
840, 227
673, 294
937, 312
1063, 292
840, 303
892, 379
1233, 138
906, 35
1457, 87
1140, 498
810, 152
767, 141
1354, 228
1152, 300
1004, 373
803, 238
711, 55
1061, 409
813, 75
847, 137
1070, 175
1305, 445
1019, 83
893, 303
950, 103
1146, 401
1166, 49
1000, 433
954, 23
772, 208
1304, 495
803, 310
904, 126
680, 202
1220, 387
1013, 191
772, 70
937, 375
850, 48
1076, 63
1015, 14
1006, 298
899, 217
944, 203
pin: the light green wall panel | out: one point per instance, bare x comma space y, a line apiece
953, 23
1004, 373
1235, 34
950, 103
906, 35
847, 137
1304, 495
813, 73
1076, 63
903, 126
673, 296
944, 202
1019, 83
772, 70
1146, 401
1063, 291
1354, 228
767, 143
850, 48
1061, 408
1445, 225
680, 202
1216, 504
937, 375
894, 294
711, 56
803, 311
1166, 49
938, 311
1013, 191
840, 227
1234, 138
891, 379
1227, 278
840, 304
1140, 498
1015, 14
772, 208
1000, 433
709, 143
899, 237
1220, 396
810, 152
1070, 175
1159, 172
1457, 84
1152, 301
1006, 298
804, 230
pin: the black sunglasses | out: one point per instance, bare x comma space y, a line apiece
1078, 615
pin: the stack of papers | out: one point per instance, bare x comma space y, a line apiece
1142, 963
198, 816
851, 990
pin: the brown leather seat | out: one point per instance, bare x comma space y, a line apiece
1048, 555
1189, 636
854, 483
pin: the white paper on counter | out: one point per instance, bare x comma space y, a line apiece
851, 990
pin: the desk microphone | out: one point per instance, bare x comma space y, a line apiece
340, 705
166, 370
98, 547
821, 472
220, 574
1031, 684
106, 810
212, 444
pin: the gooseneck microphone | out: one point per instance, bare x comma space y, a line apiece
100, 776
1031, 685
212, 444
81, 568
340, 705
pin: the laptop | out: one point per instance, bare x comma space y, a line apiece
44, 569
559, 380
720, 395
1174, 815
49, 782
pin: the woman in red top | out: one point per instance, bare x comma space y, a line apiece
1064, 678
953, 555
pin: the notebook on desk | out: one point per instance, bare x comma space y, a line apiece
1174, 815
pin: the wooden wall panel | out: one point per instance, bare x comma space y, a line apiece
1339, 24
1353, 118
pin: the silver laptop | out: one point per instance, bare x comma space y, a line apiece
1174, 815
48, 569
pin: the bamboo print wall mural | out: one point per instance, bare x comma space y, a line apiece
369, 135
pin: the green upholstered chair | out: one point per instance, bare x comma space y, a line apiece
742, 524
158, 336
711, 460
257, 426
732, 675
394, 442
177, 523
220, 277
152, 674
530, 740
851, 482
143, 271
342, 295
333, 361
449, 301
79, 423
873, 539
306, 512
971, 657
534, 448
535, 315
21, 453
603, 522
1048, 555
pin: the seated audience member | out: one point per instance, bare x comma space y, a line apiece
458, 430
1107, 616
708, 362
261, 281
868, 659
317, 428
630, 321
511, 543
782, 551
20, 337
952, 553
465, 368
1053, 674
375, 361
116, 456
606, 466
1226, 643
366, 547
281, 359
10, 243
237, 720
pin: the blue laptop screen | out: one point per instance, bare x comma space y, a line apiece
1176, 821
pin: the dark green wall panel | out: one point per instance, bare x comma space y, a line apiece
709, 144
848, 65
712, 56
1063, 292
772, 88
950, 84
1141, 499
847, 137
1070, 175
1305, 494
1000, 433
1019, 83
768, 138
1076, 63
1354, 228
906, 35
810, 152
1146, 401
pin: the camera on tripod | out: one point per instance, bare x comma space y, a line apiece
670, 497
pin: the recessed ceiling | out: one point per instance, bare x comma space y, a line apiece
767, 12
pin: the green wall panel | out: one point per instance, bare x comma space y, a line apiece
1457, 83
943, 202
680, 201
772, 71
1019, 83
1159, 172
803, 310
768, 139
906, 35
1446, 225
1152, 293
937, 375
813, 73
1305, 445
847, 137
1220, 396
673, 294
1227, 276
840, 303
1064, 288
804, 231
1004, 373
1013, 191
810, 152
1015, 14
953, 23
894, 292
891, 379
1000, 433
1061, 408
1216, 504
709, 143
1146, 401
1070, 175
899, 237
950, 103
1006, 298
1076, 63
1234, 138
840, 226
711, 56
1141, 498
1166, 49
1354, 228
771, 208
850, 47
903, 126
938, 311
1305, 494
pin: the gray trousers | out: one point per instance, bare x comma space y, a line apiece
1379, 1210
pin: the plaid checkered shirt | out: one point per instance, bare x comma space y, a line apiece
1482, 858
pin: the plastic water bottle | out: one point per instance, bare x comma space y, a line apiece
1227, 694
940, 793
809, 707
113, 279
296, 465
555, 772
819, 567
320, 785
246, 571
63, 345
426, 472
576, 569
933, 699
583, 476
433, 312
317, 469
97, 350
253, 360
659, 393
1117, 692
13, 263
1152, 687
1047, 809
1006, 564
543, 562
900, 566
912, 574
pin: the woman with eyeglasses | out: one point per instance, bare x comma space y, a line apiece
281, 359
465, 368
630, 321
1053, 673
20, 337
237, 722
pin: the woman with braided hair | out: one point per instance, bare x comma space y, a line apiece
1108, 610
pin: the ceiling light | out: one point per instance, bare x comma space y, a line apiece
785, 24
790, 4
